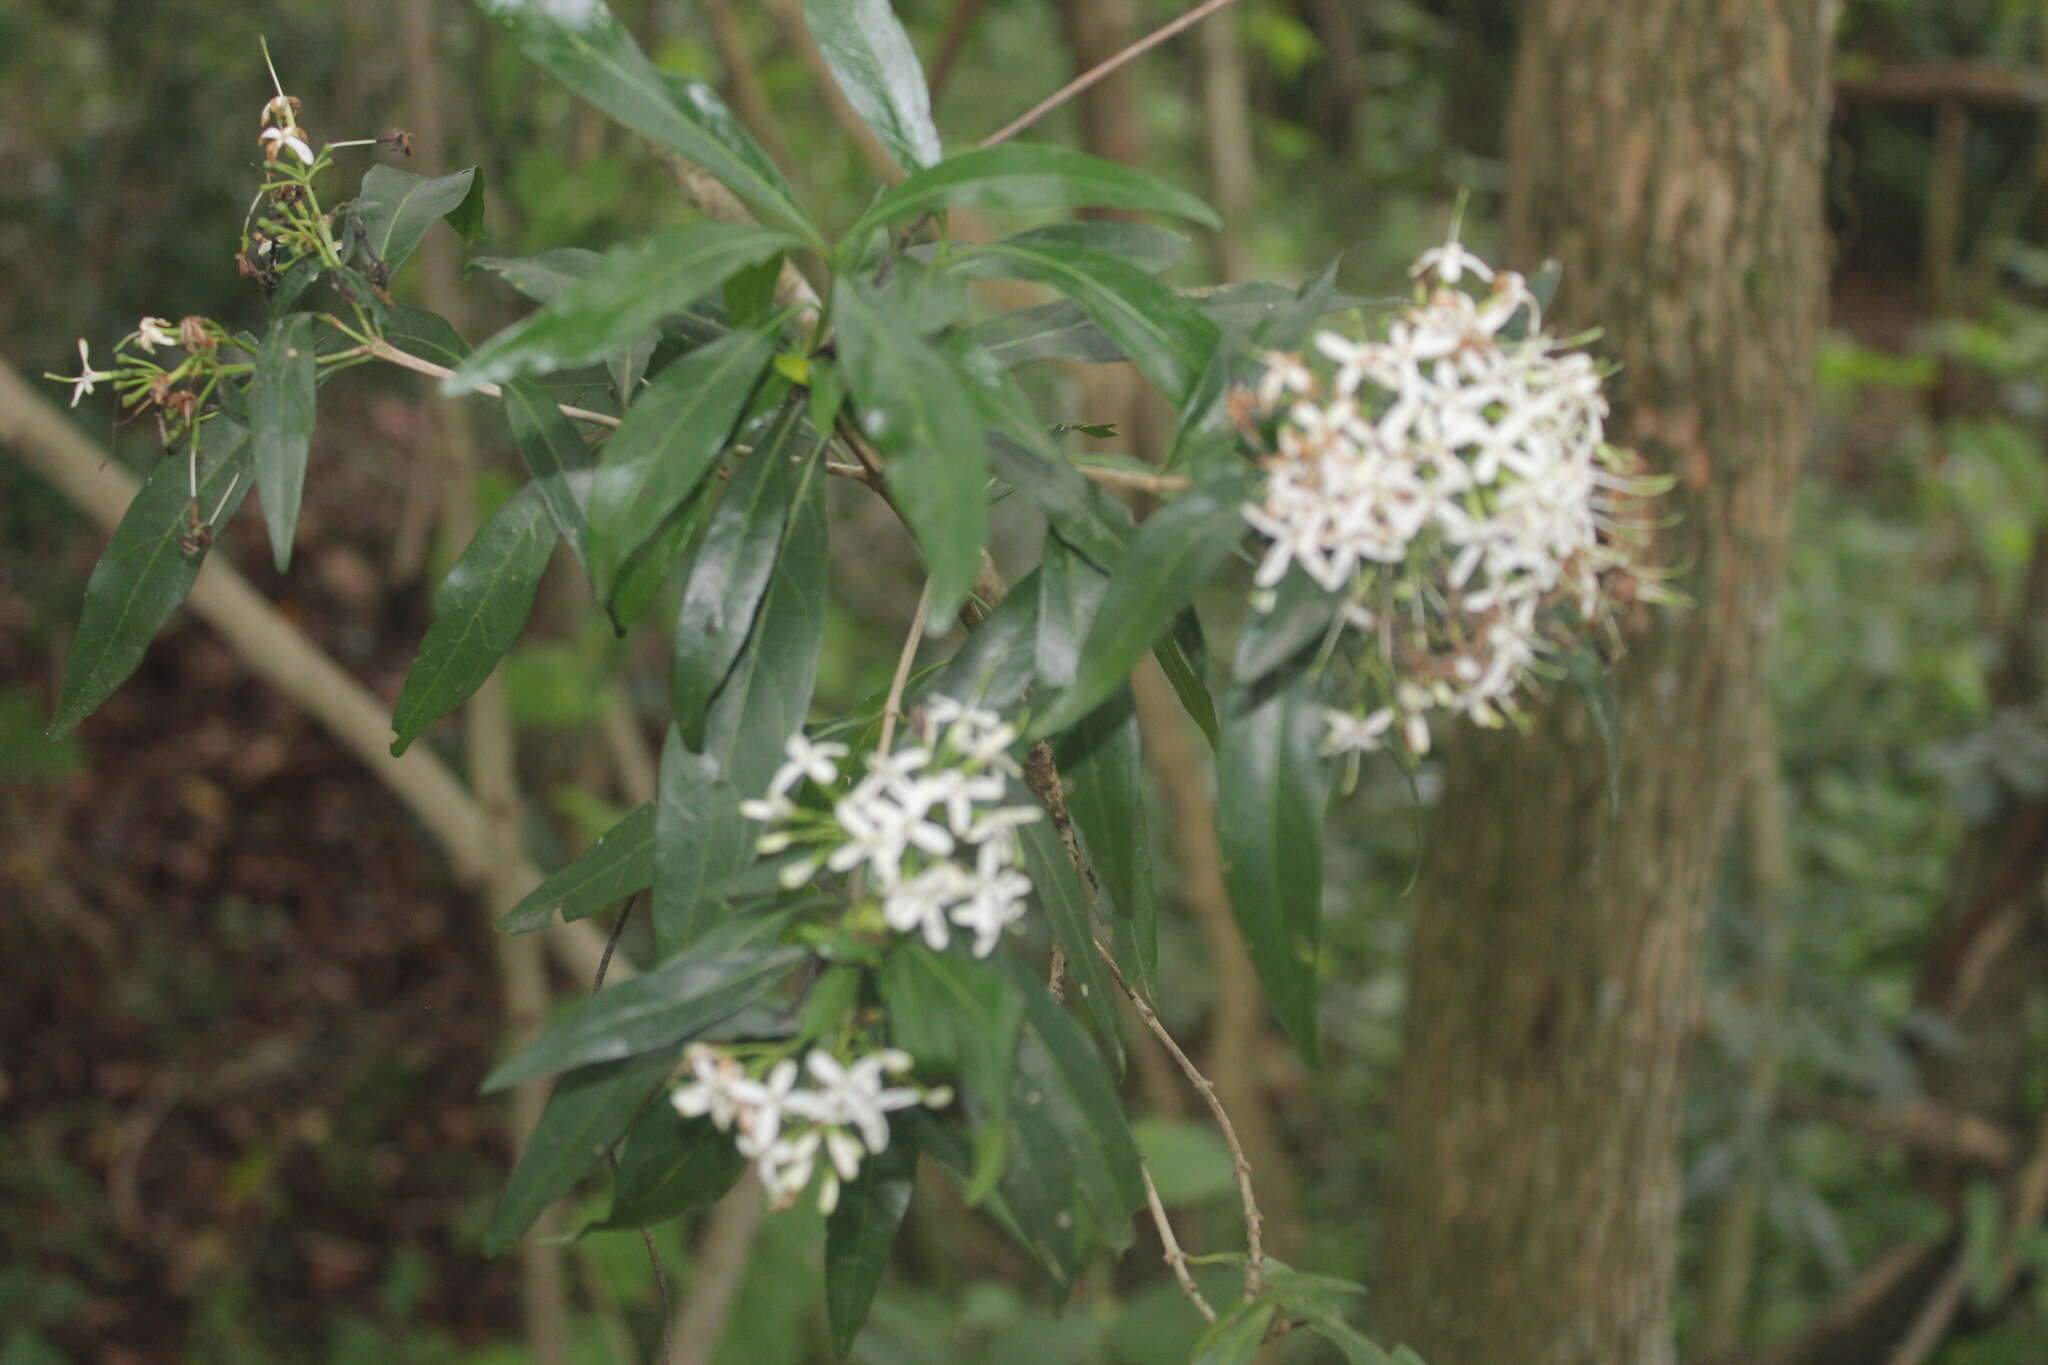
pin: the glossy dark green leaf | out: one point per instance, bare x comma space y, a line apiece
281, 402
581, 45
397, 207
1235, 1338
670, 1165
875, 65
1298, 621
545, 276
1070, 591
1144, 245
922, 418
858, 1235
671, 1004
1026, 176
1269, 819
1101, 762
958, 1016
628, 293
667, 443
637, 582
1068, 908
701, 838
1047, 331
729, 575
1173, 554
557, 457
479, 610
586, 1114
1164, 335
145, 572
427, 335
619, 864
995, 666
1061, 1077
1183, 672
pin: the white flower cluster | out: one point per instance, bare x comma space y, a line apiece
1452, 484
782, 1126
910, 822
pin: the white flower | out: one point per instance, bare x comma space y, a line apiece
921, 903
276, 140
815, 761
773, 807
997, 903
1449, 262
1349, 734
82, 382
762, 1104
712, 1092
785, 1168
997, 829
151, 333
855, 1095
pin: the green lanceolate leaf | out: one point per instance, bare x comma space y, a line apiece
671, 1004
1100, 760
1269, 819
623, 297
586, 1114
397, 207
995, 666
557, 458
958, 1016
1172, 555
858, 1235
545, 276
1069, 909
667, 443
1025, 176
581, 45
1235, 1338
729, 575
701, 837
875, 65
922, 418
1070, 591
670, 1165
281, 403
1148, 247
147, 568
427, 335
1183, 671
479, 610
1163, 334
619, 864
1061, 1079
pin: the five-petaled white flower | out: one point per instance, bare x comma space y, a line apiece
818, 762
82, 382
288, 137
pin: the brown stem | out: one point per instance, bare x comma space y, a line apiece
744, 81
1101, 69
1170, 1252
892, 709
957, 29
406, 360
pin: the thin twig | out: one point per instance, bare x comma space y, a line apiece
1241, 1170
406, 360
957, 29
1101, 69
1112, 477
892, 709
1174, 1257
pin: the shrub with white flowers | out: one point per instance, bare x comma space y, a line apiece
1442, 520
1452, 487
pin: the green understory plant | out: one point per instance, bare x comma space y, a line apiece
902, 932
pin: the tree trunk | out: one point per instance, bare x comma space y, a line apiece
1669, 153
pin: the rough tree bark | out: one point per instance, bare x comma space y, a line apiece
1669, 153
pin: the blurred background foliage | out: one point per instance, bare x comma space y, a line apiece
247, 1008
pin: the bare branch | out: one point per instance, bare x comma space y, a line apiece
1172, 1254
892, 709
406, 360
1101, 69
